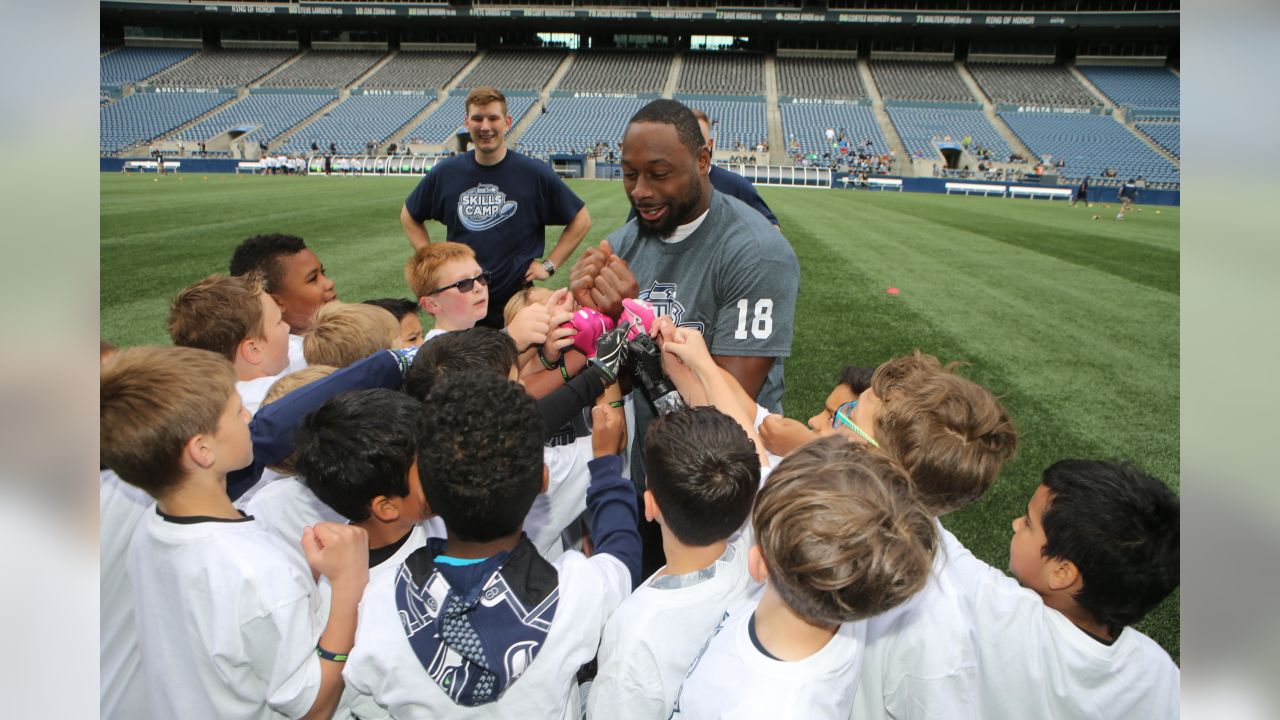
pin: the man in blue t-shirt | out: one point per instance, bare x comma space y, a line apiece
727, 181
498, 203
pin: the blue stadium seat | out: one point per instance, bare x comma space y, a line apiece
1167, 135
1137, 87
918, 126
273, 112
577, 124
809, 121
132, 64
1090, 144
357, 120
146, 116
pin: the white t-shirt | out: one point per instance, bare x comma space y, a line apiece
253, 391
285, 505
731, 678
920, 657
655, 634
122, 693
565, 498
432, 333
384, 666
297, 360
228, 620
1043, 666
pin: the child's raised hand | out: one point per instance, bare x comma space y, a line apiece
689, 346
339, 552
781, 435
530, 326
608, 430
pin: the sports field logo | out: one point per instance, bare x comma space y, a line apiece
484, 207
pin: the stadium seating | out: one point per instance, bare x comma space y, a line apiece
734, 121
223, 68
828, 78
418, 71
359, 119
722, 73
1138, 87
510, 70
1167, 135
1090, 144
577, 124
274, 112
1031, 85
447, 120
919, 126
130, 64
617, 72
145, 116
325, 69
808, 123
913, 80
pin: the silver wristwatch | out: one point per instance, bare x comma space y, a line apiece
549, 266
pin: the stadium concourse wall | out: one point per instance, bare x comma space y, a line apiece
612, 171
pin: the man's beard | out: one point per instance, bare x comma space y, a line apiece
677, 215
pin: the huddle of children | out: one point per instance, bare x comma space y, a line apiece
365, 529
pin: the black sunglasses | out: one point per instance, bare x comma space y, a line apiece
464, 286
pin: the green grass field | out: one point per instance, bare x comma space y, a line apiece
1072, 321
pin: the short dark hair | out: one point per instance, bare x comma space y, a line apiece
356, 446
857, 378
677, 114
262, 253
480, 454
1120, 527
474, 349
703, 472
399, 307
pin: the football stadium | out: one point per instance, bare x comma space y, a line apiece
995, 182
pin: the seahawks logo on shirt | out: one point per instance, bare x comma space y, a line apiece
484, 207
662, 296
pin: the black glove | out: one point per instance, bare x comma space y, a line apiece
611, 351
646, 361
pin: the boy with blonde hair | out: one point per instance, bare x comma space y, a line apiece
280, 500
233, 617
344, 333
234, 317
839, 538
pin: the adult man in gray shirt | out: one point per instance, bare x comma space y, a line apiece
706, 259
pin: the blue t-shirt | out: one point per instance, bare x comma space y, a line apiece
501, 211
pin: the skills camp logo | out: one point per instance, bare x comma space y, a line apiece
484, 207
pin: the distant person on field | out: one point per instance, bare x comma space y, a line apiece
1128, 195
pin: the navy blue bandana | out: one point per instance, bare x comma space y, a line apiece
476, 628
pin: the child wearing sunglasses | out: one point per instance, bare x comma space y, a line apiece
450, 286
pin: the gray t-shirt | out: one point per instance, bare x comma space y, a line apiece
735, 279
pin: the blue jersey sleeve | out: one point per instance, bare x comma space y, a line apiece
272, 427
611, 500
